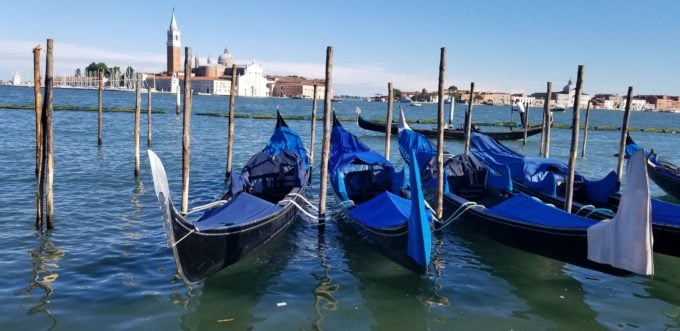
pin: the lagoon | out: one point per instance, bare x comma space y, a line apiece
106, 264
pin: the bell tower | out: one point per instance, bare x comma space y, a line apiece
174, 45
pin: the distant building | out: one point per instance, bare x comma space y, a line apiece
173, 47
295, 87
16, 78
661, 102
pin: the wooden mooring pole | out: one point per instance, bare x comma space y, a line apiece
585, 131
440, 136
624, 134
100, 108
38, 137
186, 131
177, 100
547, 120
468, 120
388, 120
148, 116
327, 117
526, 123
313, 133
138, 116
48, 137
575, 123
230, 129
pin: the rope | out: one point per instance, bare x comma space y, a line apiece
185, 236
304, 211
459, 212
207, 206
303, 198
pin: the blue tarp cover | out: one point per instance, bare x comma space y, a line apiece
347, 149
385, 210
665, 213
286, 139
242, 209
539, 174
530, 210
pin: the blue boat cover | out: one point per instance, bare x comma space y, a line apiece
286, 139
461, 171
281, 165
539, 174
419, 245
665, 213
411, 141
356, 169
533, 211
242, 209
385, 210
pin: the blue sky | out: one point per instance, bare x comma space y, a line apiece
513, 46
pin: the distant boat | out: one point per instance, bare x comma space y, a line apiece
415, 104
449, 134
405, 99
557, 109
336, 100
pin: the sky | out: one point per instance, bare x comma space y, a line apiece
500, 45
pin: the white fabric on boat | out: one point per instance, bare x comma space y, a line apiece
625, 241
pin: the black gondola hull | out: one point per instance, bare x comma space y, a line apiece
450, 134
566, 245
201, 254
669, 184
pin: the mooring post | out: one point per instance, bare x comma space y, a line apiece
624, 134
440, 135
48, 136
585, 131
138, 115
38, 137
327, 116
388, 120
548, 119
468, 121
177, 100
230, 129
526, 123
313, 133
148, 116
575, 123
186, 131
100, 108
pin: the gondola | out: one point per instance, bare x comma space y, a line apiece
371, 194
259, 204
450, 134
481, 198
545, 179
664, 173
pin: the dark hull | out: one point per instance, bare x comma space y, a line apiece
392, 244
667, 182
567, 245
199, 255
451, 134
665, 236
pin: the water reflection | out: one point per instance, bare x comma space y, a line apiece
395, 296
229, 298
550, 293
324, 298
44, 260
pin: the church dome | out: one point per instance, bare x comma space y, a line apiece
225, 59
570, 86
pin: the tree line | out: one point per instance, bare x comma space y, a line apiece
114, 74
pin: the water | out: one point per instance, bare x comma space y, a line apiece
106, 263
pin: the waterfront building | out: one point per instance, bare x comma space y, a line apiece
252, 83
297, 87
